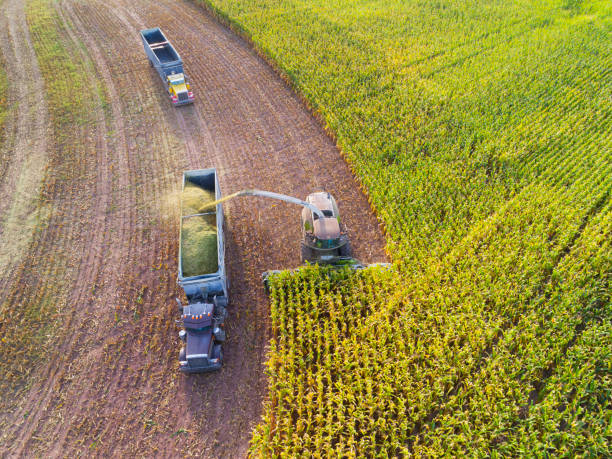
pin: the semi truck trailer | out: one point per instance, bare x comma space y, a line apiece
168, 64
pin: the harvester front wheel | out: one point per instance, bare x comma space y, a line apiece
307, 254
345, 250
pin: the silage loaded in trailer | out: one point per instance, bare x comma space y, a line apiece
194, 199
199, 245
199, 232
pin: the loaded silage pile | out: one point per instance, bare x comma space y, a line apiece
198, 232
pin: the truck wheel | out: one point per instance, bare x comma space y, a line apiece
220, 336
218, 352
345, 250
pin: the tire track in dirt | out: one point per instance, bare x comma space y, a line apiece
26, 181
118, 391
26, 138
72, 392
103, 263
93, 231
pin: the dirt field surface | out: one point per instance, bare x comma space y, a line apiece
111, 386
23, 153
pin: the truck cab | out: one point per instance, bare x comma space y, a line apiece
179, 89
202, 337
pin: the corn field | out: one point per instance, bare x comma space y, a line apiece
481, 132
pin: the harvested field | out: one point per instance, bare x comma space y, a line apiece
98, 270
3, 104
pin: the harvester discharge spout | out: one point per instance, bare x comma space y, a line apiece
271, 195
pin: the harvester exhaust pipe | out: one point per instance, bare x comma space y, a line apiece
271, 195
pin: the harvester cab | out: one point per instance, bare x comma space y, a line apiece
323, 238
202, 336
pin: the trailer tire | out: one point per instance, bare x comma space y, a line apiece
220, 313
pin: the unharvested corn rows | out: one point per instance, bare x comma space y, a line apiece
447, 362
482, 134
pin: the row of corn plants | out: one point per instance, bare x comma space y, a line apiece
499, 407
574, 412
481, 132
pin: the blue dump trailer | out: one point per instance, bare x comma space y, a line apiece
206, 291
164, 58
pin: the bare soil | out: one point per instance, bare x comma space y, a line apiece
114, 387
22, 155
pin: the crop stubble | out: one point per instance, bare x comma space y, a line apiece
22, 151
